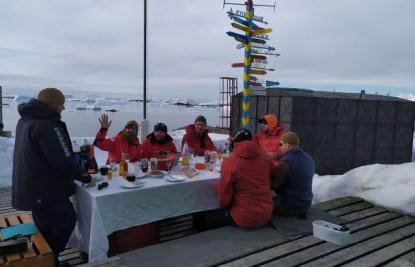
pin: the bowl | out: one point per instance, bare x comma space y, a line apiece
200, 166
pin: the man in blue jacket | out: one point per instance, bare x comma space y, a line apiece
293, 178
43, 168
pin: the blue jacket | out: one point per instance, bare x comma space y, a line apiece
296, 192
43, 168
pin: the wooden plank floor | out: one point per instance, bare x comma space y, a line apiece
383, 238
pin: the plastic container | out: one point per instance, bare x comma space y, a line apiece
333, 233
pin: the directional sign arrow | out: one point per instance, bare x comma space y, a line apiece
243, 39
244, 22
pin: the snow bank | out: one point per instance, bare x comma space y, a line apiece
390, 186
6, 160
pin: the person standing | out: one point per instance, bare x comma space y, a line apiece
43, 168
125, 142
293, 178
269, 137
197, 137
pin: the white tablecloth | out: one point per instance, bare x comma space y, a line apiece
102, 212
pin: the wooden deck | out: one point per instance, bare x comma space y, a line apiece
383, 238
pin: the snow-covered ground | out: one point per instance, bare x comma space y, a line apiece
390, 186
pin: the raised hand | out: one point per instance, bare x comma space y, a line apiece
104, 121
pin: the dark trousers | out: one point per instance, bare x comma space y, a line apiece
285, 212
207, 220
55, 222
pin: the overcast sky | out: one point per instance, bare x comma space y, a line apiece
97, 45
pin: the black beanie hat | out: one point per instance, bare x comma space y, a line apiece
201, 118
242, 135
160, 127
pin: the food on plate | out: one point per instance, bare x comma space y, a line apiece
156, 172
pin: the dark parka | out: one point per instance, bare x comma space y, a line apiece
43, 169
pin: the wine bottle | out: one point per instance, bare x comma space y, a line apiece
92, 165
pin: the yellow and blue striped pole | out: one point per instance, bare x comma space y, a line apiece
247, 65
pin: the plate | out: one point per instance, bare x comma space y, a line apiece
141, 175
176, 178
130, 185
161, 174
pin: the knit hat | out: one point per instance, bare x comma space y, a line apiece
242, 135
132, 125
271, 120
201, 118
51, 96
160, 127
290, 138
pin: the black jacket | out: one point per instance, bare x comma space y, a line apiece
43, 168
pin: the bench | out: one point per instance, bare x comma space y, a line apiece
38, 253
382, 238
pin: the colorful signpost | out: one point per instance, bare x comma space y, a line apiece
254, 41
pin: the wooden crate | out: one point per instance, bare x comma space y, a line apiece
38, 254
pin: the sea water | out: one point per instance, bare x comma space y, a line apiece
85, 122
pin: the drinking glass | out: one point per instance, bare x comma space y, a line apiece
144, 165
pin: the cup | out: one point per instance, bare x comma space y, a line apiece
103, 170
144, 165
130, 177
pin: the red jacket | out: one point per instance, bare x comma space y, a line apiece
244, 187
270, 140
199, 143
117, 145
152, 148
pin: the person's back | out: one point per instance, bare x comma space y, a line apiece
39, 172
245, 185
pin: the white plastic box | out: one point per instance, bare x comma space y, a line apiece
333, 233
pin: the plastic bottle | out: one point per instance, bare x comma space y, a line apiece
185, 155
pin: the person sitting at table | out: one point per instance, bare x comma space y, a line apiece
244, 193
293, 178
159, 144
125, 142
269, 137
197, 137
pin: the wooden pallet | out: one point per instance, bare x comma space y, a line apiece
38, 254
71, 256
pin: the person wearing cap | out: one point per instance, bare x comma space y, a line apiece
244, 193
293, 178
269, 137
125, 142
159, 144
43, 168
197, 137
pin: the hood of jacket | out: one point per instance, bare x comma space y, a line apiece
274, 126
35, 109
246, 149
